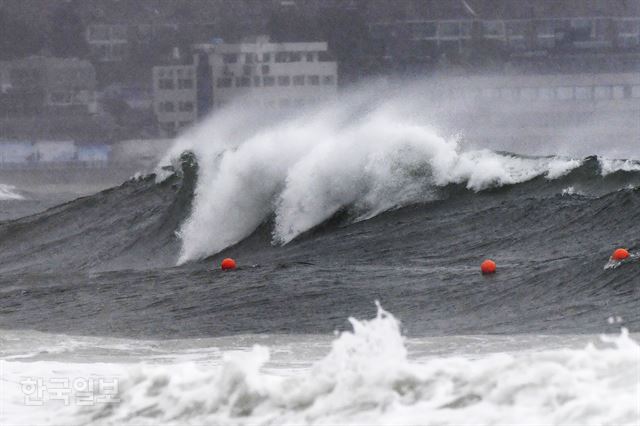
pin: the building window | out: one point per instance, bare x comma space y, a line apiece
98, 32
324, 57
185, 124
266, 57
493, 29
618, 92
118, 51
298, 80
165, 83
546, 93
282, 57
528, 93
186, 106
118, 32
565, 93
583, 92
167, 107
243, 82
256, 81
328, 79
170, 127
224, 82
314, 80
265, 69
249, 58
423, 30
230, 58
268, 81
185, 83
284, 80
310, 56
581, 29
516, 29
295, 56
602, 92
491, 93
246, 70
448, 29
60, 98
509, 93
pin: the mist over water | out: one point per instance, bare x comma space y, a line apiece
370, 150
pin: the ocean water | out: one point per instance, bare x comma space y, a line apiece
370, 375
358, 227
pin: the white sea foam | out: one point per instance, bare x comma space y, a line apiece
608, 166
571, 190
559, 167
304, 168
9, 192
366, 378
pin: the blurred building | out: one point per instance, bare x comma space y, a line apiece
108, 42
44, 85
569, 31
175, 96
270, 75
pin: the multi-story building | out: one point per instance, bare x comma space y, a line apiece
175, 96
108, 42
46, 85
271, 75
424, 30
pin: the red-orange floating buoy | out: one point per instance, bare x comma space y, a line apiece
488, 267
620, 254
228, 264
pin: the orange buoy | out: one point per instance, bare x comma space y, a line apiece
488, 267
620, 254
228, 264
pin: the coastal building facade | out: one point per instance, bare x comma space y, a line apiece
270, 75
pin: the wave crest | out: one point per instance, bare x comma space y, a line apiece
302, 170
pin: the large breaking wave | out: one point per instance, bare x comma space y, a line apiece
362, 155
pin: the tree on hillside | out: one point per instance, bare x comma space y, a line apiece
67, 33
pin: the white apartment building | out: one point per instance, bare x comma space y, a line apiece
271, 75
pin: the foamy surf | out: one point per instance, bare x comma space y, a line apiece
371, 375
9, 192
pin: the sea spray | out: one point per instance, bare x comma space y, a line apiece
367, 377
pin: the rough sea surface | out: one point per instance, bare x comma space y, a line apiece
325, 216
